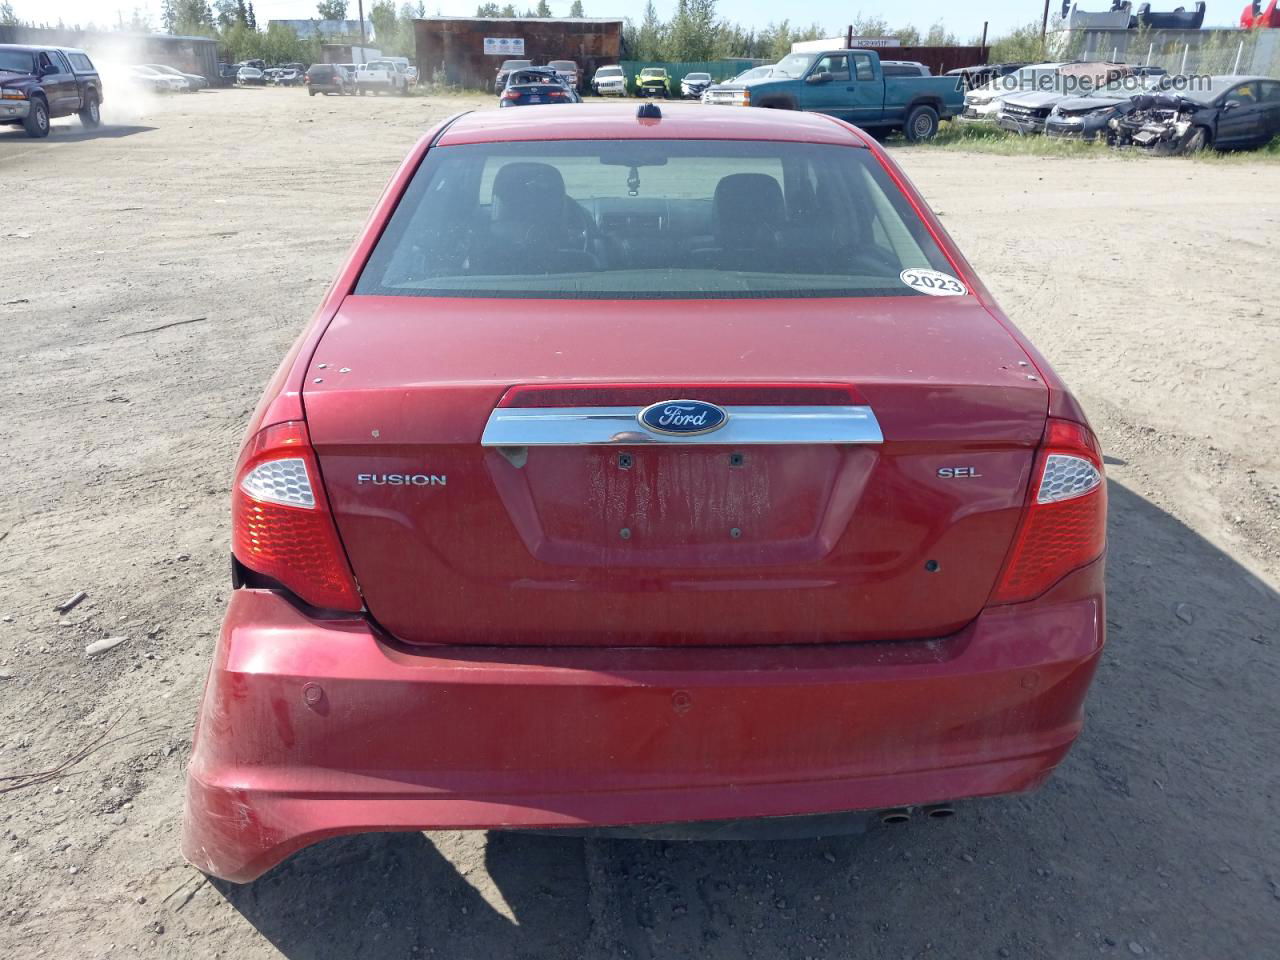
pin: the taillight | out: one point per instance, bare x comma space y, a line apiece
280, 521
1065, 524
511, 95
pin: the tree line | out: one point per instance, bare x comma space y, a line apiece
695, 32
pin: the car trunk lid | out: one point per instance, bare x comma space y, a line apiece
797, 536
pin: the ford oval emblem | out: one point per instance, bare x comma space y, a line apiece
683, 418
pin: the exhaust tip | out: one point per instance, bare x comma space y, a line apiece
895, 815
940, 811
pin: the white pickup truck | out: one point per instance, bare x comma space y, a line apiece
381, 76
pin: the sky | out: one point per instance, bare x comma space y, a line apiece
963, 19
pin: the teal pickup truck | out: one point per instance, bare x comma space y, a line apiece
849, 84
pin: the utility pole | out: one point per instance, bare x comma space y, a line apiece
1044, 31
360, 5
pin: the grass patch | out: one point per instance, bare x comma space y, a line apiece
991, 140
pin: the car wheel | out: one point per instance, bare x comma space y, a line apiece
1196, 140
91, 115
922, 124
36, 122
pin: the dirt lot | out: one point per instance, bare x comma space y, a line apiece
155, 273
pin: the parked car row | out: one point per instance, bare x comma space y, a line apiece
386, 75
698, 85
852, 85
1125, 105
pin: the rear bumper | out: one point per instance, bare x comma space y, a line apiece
310, 729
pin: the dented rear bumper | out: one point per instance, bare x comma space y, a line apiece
310, 729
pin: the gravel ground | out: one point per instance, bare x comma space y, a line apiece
156, 272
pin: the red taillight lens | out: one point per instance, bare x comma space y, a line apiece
280, 521
511, 95
1065, 525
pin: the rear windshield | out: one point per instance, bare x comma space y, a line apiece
533, 76
17, 61
658, 219
320, 70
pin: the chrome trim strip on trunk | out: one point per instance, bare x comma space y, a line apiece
577, 426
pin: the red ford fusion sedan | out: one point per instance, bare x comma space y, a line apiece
647, 469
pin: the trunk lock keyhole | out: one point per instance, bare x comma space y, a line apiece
931, 566
625, 461
737, 459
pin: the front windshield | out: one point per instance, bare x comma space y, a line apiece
652, 72
17, 61
660, 219
794, 65
609, 72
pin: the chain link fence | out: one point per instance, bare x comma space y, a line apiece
1205, 52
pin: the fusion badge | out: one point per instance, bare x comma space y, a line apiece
402, 479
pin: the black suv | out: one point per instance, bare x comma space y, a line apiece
40, 83
327, 78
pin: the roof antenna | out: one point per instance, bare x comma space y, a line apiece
649, 111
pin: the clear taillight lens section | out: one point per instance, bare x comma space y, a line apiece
282, 481
280, 523
1066, 477
1065, 525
